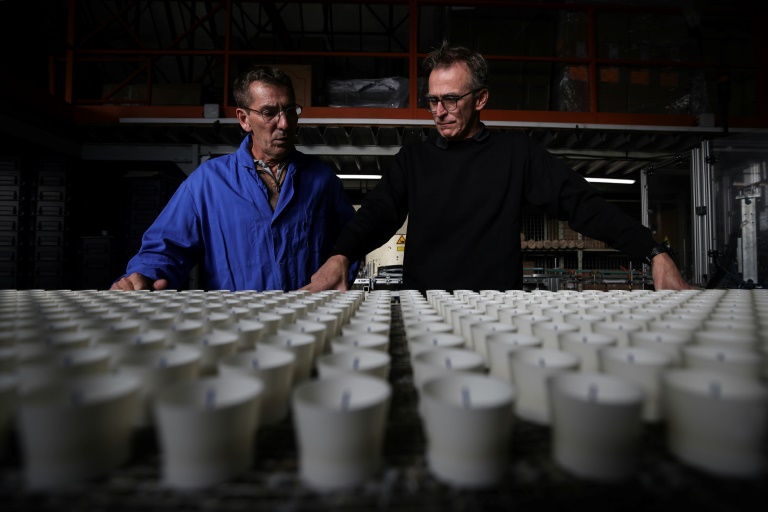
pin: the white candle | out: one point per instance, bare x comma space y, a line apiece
207, 429
715, 422
339, 426
596, 424
468, 426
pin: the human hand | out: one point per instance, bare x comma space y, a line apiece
138, 281
332, 275
666, 276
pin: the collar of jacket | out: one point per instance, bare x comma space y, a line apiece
481, 135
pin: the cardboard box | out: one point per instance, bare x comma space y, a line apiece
301, 74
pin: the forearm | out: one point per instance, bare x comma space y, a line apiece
665, 274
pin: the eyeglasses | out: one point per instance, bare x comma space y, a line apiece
449, 102
272, 115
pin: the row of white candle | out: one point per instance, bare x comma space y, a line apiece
180, 376
696, 381
369, 319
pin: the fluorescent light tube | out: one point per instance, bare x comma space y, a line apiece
360, 176
611, 180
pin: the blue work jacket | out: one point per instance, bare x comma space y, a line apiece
220, 217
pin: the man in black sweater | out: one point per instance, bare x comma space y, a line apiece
463, 195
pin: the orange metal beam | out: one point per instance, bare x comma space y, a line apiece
75, 53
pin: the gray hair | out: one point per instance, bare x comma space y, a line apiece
447, 55
269, 75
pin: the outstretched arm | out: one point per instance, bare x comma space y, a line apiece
333, 275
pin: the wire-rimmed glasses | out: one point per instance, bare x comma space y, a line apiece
272, 115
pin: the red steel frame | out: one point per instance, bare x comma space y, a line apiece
92, 111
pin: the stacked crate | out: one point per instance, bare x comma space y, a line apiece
49, 236
96, 257
13, 196
148, 193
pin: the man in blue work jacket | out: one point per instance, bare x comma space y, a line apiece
263, 218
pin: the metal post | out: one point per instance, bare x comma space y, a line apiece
703, 211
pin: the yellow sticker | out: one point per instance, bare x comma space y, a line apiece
401, 240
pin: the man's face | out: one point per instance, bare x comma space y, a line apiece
452, 82
272, 140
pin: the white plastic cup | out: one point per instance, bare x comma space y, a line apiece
157, 369
456, 312
67, 340
526, 323
336, 312
301, 345
129, 344
670, 342
366, 327
642, 366
159, 320
635, 318
271, 321
207, 430
586, 346
466, 321
423, 326
468, 422
315, 329
364, 320
249, 332
184, 330
738, 362
618, 329
596, 425
45, 367
430, 340
716, 423
8, 405
501, 345
76, 429
480, 332
332, 325
339, 423
681, 328
585, 321
213, 346
531, 367
558, 312
272, 365
747, 340
374, 363
287, 315
439, 361
355, 340
550, 333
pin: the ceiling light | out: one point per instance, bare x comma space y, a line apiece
378, 177
610, 180
360, 176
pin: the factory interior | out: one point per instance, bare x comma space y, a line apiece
107, 106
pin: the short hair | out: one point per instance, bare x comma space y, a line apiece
269, 75
447, 55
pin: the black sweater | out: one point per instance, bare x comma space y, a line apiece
464, 206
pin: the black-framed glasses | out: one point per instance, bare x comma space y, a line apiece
450, 102
272, 115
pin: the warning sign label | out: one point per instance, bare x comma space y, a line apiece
401, 240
